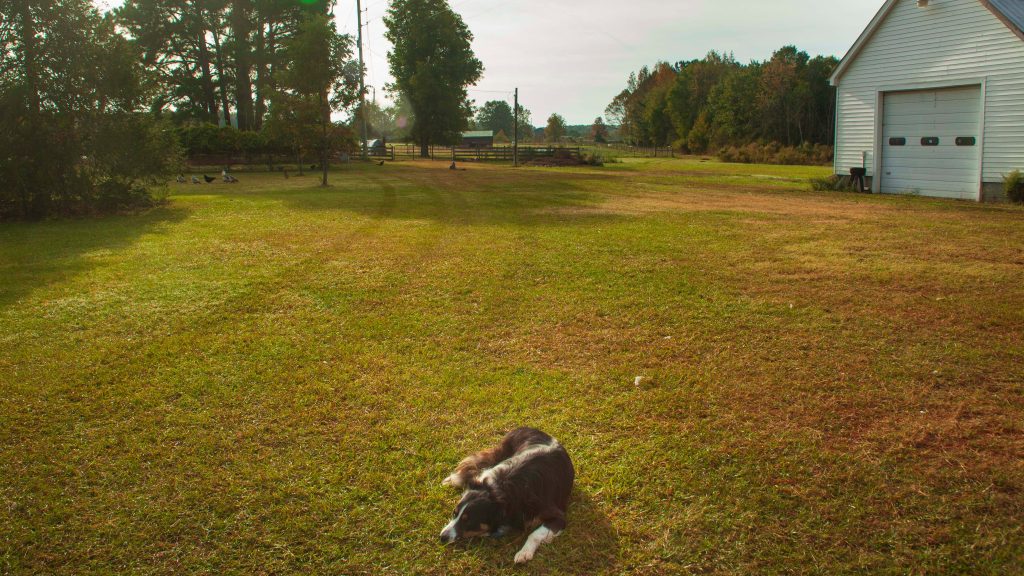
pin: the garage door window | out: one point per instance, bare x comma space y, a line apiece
897, 141
929, 141
966, 141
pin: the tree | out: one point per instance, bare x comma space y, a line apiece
555, 130
786, 99
496, 116
73, 137
525, 125
599, 131
320, 78
433, 63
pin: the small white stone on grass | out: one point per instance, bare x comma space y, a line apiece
637, 381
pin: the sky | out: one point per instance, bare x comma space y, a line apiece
573, 56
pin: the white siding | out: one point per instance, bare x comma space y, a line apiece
948, 42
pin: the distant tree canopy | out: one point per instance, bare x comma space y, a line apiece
599, 131
433, 63
555, 130
707, 104
496, 116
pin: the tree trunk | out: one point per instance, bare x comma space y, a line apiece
261, 76
28, 42
241, 28
424, 150
204, 65
220, 77
325, 120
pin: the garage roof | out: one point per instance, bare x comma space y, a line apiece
1010, 12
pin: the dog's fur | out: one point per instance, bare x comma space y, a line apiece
523, 483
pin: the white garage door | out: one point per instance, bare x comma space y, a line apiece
931, 142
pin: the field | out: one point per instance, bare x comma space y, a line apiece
274, 378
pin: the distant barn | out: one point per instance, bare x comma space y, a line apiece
478, 139
931, 98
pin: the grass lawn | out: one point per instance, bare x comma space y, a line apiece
274, 378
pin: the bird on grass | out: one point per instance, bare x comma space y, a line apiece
195, 180
381, 163
208, 178
180, 179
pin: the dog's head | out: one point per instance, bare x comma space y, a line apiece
478, 514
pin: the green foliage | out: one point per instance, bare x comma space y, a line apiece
433, 63
774, 153
555, 130
496, 116
320, 79
717, 102
1013, 185
832, 183
599, 131
72, 137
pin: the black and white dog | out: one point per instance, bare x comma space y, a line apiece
523, 483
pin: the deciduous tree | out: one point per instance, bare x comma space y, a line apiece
496, 116
433, 63
555, 130
320, 79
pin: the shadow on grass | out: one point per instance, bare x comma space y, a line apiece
34, 255
461, 198
589, 544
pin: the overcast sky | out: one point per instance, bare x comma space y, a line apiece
574, 56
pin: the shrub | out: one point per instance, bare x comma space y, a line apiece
1013, 185
775, 153
592, 159
55, 165
832, 183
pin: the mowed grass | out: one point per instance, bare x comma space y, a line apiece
274, 378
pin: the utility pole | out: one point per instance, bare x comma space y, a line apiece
362, 76
515, 137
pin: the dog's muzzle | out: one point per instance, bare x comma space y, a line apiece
449, 535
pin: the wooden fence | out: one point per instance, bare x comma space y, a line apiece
472, 154
642, 151
395, 152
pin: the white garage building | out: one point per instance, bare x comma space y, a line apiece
930, 99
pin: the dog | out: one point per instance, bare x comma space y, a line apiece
524, 483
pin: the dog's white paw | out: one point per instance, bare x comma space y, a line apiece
524, 556
453, 481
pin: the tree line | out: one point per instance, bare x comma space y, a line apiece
98, 110
706, 105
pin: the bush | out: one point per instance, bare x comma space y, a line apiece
55, 165
775, 153
832, 183
592, 159
1013, 185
